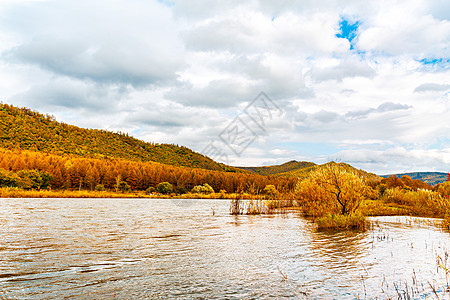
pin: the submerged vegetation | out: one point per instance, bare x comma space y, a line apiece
337, 196
331, 195
338, 221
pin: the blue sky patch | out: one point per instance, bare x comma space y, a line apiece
443, 63
348, 30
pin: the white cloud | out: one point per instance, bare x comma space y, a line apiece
432, 87
106, 42
401, 28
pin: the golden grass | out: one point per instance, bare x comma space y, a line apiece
9, 192
337, 221
12, 192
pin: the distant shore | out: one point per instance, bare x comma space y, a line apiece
8, 192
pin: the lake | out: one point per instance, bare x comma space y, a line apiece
194, 249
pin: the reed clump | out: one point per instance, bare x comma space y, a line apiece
11, 192
424, 203
337, 221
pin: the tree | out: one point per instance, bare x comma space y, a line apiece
332, 189
203, 189
124, 187
164, 188
271, 191
393, 181
8, 178
448, 177
443, 189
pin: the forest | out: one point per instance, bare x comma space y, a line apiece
23, 128
73, 172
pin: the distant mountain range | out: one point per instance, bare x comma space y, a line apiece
431, 178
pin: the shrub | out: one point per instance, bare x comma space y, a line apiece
150, 190
124, 187
8, 179
338, 221
164, 188
180, 190
331, 189
443, 189
446, 222
421, 202
270, 191
202, 189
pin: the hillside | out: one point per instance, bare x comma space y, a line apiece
431, 178
22, 128
301, 169
285, 168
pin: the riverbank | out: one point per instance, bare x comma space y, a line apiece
252, 204
10, 192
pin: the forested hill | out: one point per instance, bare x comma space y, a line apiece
22, 128
290, 166
431, 178
301, 169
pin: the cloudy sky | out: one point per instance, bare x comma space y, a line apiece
363, 82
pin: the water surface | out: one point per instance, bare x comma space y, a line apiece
159, 249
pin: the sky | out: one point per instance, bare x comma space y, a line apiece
248, 83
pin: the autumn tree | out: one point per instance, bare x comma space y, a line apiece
270, 191
443, 189
164, 188
202, 189
332, 189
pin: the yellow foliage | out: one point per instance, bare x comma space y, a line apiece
351, 221
331, 189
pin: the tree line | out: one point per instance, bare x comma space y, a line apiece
72, 172
26, 129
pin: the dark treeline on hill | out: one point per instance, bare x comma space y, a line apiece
302, 169
73, 172
22, 128
431, 178
285, 168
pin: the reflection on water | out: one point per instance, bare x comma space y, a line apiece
124, 248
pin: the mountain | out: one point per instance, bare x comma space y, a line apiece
22, 128
283, 169
432, 178
301, 169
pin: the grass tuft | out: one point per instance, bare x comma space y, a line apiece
352, 221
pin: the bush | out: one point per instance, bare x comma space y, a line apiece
124, 187
150, 190
443, 189
331, 189
180, 190
270, 191
34, 179
8, 179
164, 188
202, 189
420, 203
338, 221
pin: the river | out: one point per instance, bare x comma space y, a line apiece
194, 249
